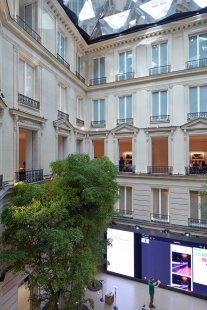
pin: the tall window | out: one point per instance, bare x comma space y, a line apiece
198, 46
61, 45
159, 55
159, 105
198, 206
79, 108
198, 99
99, 68
125, 62
28, 12
125, 200
78, 63
27, 79
62, 98
125, 109
99, 110
160, 204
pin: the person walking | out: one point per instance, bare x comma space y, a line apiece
152, 284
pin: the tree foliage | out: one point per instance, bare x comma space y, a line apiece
54, 231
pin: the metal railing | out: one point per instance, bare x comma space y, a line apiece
201, 170
125, 121
159, 70
98, 124
196, 115
124, 76
28, 29
29, 176
126, 168
125, 213
62, 116
29, 102
79, 122
160, 170
98, 81
1, 181
159, 118
197, 223
80, 77
63, 61
198, 63
155, 217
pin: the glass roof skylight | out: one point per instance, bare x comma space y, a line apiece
105, 17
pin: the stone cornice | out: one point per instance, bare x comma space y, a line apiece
164, 130
59, 12
28, 116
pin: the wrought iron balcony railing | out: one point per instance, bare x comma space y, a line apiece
125, 121
161, 218
125, 213
28, 29
98, 81
160, 170
1, 181
79, 122
126, 168
63, 61
195, 115
62, 116
198, 63
199, 223
159, 70
80, 77
29, 102
98, 124
201, 170
29, 176
159, 118
124, 76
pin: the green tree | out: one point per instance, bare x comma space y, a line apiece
54, 231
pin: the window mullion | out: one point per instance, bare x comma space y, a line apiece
125, 198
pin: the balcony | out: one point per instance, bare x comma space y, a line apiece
80, 77
124, 76
125, 213
198, 63
29, 176
168, 170
159, 70
196, 170
125, 121
62, 116
126, 169
98, 81
197, 223
79, 122
160, 218
1, 181
28, 102
159, 118
98, 124
63, 61
195, 115
28, 29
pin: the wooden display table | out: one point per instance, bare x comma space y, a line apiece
109, 299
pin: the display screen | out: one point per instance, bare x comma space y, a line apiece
120, 252
178, 264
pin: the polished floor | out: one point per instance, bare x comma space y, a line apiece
132, 295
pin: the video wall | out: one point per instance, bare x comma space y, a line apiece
178, 264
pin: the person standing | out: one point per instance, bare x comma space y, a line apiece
152, 284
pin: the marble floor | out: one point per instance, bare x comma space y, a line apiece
132, 295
